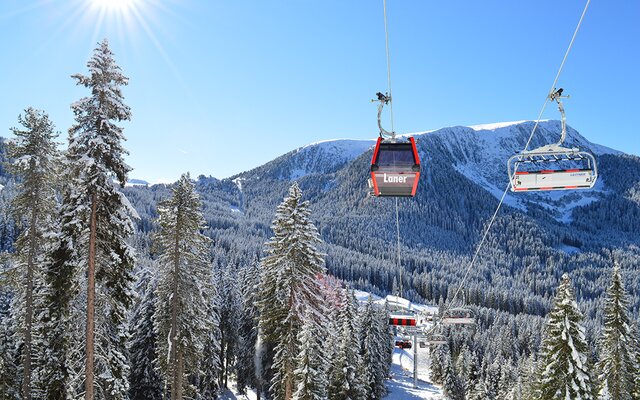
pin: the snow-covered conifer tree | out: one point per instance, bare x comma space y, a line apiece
617, 350
374, 340
184, 288
211, 361
144, 380
528, 378
437, 357
229, 316
451, 386
345, 382
248, 335
96, 158
564, 370
386, 340
310, 373
290, 288
61, 275
477, 392
9, 376
492, 377
463, 366
508, 381
34, 161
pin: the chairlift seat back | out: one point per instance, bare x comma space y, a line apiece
553, 180
554, 168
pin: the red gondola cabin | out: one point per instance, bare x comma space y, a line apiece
395, 169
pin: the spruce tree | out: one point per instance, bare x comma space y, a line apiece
492, 377
211, 362
310, 374
477, 392
245, 367
617, 363
564, 373
374, 341
463, 366
528, 378
184, 288
290, 288
437, 358
9, 376
508, 381
451, 386
345, 382
145, 382
62, 287
96, 156
34, 162
229, 317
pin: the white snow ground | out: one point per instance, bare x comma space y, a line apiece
232, 394
401, 383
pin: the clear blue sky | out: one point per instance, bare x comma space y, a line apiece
218, 87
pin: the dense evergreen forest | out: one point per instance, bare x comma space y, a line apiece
111, 291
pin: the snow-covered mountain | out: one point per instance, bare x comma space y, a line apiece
316, 158
535, 238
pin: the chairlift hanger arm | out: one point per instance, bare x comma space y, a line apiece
556, 95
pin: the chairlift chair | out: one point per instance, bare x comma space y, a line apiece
579, 168
458, 316
437, 339
402, 320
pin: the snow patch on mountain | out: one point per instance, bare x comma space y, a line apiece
136, 182
238, 182
497, 125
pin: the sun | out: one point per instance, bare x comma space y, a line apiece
115, 5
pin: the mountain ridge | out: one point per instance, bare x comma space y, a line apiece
535, 239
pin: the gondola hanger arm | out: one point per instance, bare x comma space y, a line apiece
383, 100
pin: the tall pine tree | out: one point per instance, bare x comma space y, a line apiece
35, 158
96, 156
617, 348
564, 373
290, 288
184, 287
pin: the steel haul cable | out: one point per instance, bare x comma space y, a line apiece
393, 133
